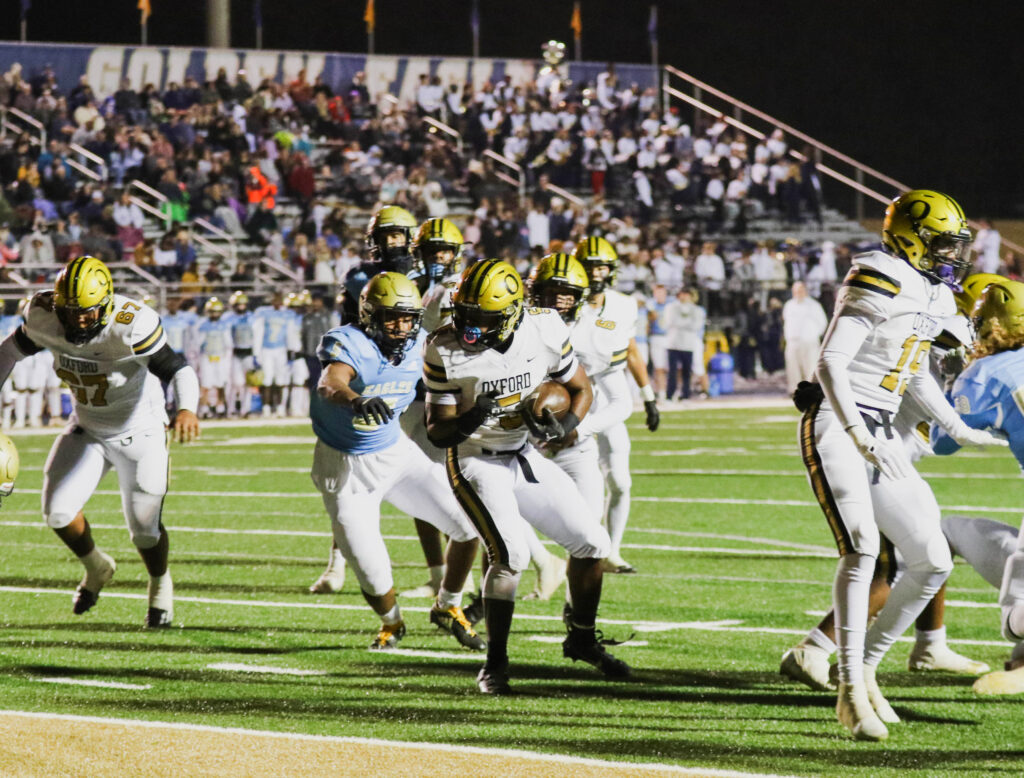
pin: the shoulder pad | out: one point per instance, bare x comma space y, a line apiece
43, 300
874, 276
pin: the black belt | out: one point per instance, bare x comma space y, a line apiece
524, 463
243, 352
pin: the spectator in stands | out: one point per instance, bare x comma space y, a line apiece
710, 271
987, 245
658, 336
668, 271
36, 248
260, 192
185, 253
129, 220
804, 323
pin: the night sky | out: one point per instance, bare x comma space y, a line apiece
922, 93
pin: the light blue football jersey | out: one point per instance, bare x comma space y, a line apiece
989, 394
214, 338
276, 324
177, 327
242, 334
338, 426
8, 324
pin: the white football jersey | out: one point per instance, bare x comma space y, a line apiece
906, 312
437, 303
601, 335
109, 378
540, 349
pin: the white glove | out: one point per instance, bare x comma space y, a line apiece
968, 436
889, 460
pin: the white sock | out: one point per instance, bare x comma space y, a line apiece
617, 518
161, 592
393, 616
907, 599
337, 561
930, 637
35, 407
436, 574
447, 599
850, 598
94, 560
820, 640
20, 405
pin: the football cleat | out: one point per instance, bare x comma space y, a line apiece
808, 665
854, 712
88, 591
330, 582
388, 636
877, 699
1001, 682
454, 622
474, 612
616, 564
158, 617
493, 678
942, 659
427, 590
585, 645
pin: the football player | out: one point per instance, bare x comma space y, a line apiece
890, 308
361, 458
808, 661
299, 304
479, 372
9, 465
111, 351
389, 243
240, 319
616, 313
215, 346
273, 330
986, 396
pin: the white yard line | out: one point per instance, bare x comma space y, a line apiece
638, 768
237, 667
99, 684
803, 474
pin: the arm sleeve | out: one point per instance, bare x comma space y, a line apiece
842, 342
12, 350
617, 409
440, 391
930, 397
169, 366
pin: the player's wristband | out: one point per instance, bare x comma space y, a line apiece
569, 423
647, 394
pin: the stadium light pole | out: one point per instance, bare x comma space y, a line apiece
218, 23
474, 23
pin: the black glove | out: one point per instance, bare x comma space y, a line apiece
374, 410
484, 406
807, 395
653, 415
548, 428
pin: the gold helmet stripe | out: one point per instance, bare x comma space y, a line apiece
71, 281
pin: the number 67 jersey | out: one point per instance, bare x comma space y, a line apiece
108, 375
905, 312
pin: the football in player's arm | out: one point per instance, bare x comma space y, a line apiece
112, 353
479, 372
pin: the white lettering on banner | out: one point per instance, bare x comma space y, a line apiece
381, 72
482, 69
452, 71
260, 65
104, 70
220, 58
414, 68
177, 64
145, 66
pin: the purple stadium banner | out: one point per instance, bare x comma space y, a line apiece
106, 65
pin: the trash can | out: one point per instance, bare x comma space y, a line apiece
720, 369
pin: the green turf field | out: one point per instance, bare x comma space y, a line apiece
734, 558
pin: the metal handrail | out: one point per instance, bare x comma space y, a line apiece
565, 194
160, 197
85, 171
520, 181
219, 233
6, 124
445, 128
279, 267
147, 207
211, 246
94, 158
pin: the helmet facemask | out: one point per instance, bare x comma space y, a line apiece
83, 324
387, 249
598, 280
394, 330
438, 259
566, 299
947, 258
480, 330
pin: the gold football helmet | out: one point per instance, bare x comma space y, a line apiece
389, 238
594, 253
558, 281
971, 290
438, 246
390, 311
213, 308
929, 230
9, 464
1000, 307
83, 298
239, 301
487, 306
